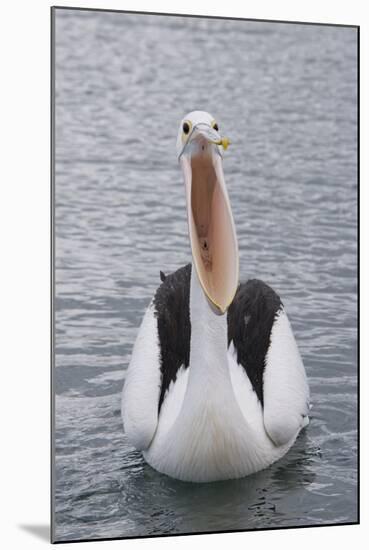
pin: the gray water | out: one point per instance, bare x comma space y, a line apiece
286, 96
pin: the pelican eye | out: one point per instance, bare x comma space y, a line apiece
215, 126
186, 128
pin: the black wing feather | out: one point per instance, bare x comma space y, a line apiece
171, 303
250, 320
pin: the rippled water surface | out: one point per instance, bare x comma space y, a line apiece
286, 96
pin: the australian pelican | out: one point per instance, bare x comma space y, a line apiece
216, 388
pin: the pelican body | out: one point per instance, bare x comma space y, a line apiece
216, 388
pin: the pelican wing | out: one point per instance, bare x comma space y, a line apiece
263, 343
162, 347
174, 328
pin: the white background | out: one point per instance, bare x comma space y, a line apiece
25, 269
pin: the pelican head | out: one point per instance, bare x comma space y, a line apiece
200, 147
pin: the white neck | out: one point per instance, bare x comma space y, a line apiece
209, 373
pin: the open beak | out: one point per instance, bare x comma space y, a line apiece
210, 221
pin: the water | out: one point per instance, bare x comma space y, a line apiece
286, 96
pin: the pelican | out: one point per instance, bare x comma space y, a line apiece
216, 388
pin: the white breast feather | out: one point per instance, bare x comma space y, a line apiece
172, 403
244, 392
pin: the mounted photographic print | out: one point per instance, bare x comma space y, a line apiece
204, 203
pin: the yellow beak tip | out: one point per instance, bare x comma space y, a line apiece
225, 143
